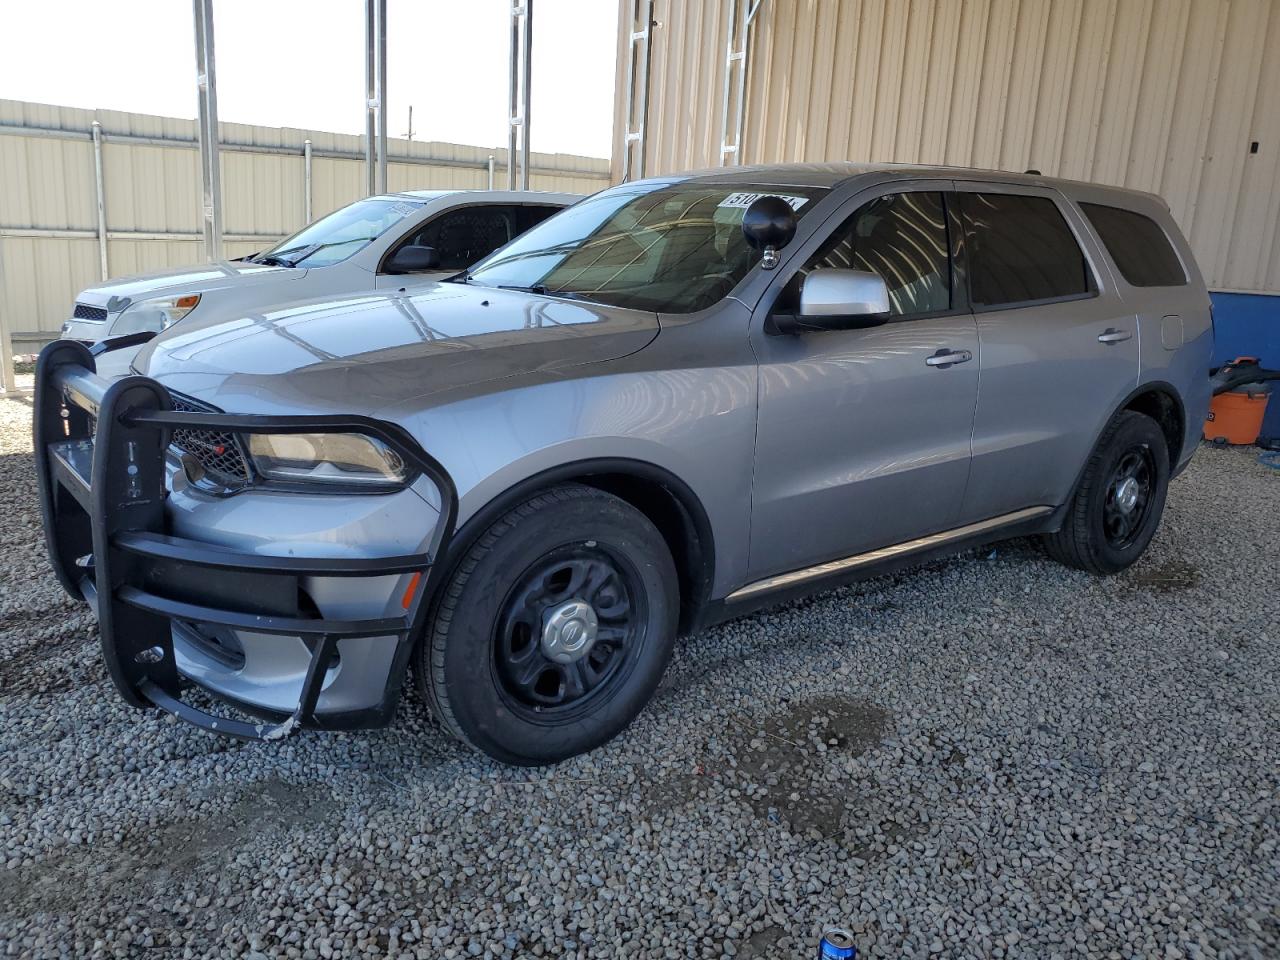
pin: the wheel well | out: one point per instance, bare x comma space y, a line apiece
668, 503
1165, 410
687, 535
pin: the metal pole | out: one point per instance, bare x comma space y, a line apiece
636, 112
527, 47
748, 14
380, 16
306, 179
370, 98
101, 197
491, 171
513, 97
8, 379
207, 130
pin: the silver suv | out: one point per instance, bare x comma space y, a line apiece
392, 241
674, 402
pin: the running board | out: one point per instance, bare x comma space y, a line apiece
795, 577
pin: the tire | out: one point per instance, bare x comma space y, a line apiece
486, 663
1098, 534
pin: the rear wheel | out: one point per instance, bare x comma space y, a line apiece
1118, 504
554, 630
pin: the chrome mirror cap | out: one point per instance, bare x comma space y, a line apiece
834, 292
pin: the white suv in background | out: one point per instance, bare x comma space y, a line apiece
396, 240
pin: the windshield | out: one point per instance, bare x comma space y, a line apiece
670, 248
340, 234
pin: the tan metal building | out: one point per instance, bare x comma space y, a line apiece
1177, 97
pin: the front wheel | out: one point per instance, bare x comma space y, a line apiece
1115, 510
554, 629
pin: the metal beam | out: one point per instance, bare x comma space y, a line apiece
207, 131
380, 19
370, 86
306, 180
527, 47
518, 93
742, 14
636, 117
100, 194
8, 379
375, 82
513, 97
47, 233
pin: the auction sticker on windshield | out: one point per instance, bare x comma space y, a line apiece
747, 199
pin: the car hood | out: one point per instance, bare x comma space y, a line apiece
370, 352
115, 294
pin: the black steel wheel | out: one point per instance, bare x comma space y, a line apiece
553, 629
1118, 502
1128, 497
569, 631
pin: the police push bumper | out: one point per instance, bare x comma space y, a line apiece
101, 450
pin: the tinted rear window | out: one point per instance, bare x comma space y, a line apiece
1020, 249
1138, 245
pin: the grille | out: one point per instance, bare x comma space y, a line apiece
85, 312
218, 451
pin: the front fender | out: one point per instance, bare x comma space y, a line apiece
694, 425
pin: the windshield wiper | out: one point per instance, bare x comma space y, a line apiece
278, 259
542, 252
543, 291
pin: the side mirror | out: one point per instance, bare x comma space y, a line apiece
412, 259
833, 299
768, 225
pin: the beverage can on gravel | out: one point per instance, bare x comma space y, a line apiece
836, 944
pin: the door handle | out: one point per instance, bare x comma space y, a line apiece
1112, 335
945, 358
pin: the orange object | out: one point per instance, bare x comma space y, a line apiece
410, 590
1236, 416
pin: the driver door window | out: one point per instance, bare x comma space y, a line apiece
467, 234
903, 237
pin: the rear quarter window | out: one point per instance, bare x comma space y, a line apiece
1138, 245
1020, 250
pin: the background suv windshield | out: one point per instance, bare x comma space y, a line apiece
342, 233
670, 248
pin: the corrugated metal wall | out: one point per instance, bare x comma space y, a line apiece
48, 205
1160, 95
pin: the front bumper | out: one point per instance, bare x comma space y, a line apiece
86, 331
100, 459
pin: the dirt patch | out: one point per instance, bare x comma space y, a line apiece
791, 757
763, 944
784, 765
178, 854
1171, 577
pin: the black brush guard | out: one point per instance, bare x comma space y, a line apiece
102, 502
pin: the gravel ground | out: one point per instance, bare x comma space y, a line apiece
990, 756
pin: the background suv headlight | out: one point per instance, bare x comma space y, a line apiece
335, 458
154, 314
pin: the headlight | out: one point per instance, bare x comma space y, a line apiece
340, 458
153, 315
